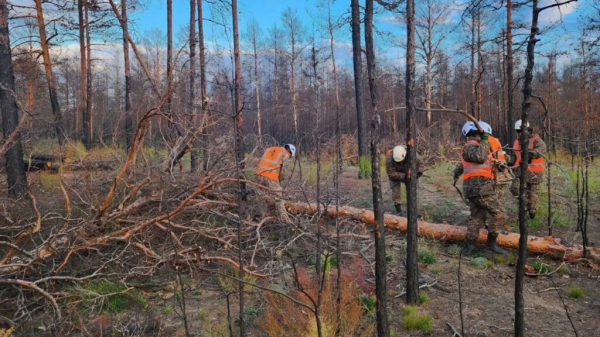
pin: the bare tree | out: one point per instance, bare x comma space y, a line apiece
383, 329
128, 117
88, 120
412, 268
253, 32
15, 169
509, 73
429, 20
192, 79
83, 61
525, 111
60, 132
293, 28
357, 61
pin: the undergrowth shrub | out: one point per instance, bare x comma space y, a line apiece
110, 296
282, 317
415, 320
364, 167
575, 292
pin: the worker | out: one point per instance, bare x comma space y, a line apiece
269, 173
498, 157
396, 167
535, 168
478, 188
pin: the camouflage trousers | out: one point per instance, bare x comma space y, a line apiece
480, 207
396, 186
531, 193
273, 196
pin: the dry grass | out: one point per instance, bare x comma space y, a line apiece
284, 318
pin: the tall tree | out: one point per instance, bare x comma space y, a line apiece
412, 268
128, 117
58, 119
357, 61
338, 126
253, 32
15, 169
383, 329
509, 73
293, 27
83, 61
169, 51
192, 79
239, 153
429, 20
206, 115
89, 132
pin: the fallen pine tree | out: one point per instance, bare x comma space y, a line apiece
551, 246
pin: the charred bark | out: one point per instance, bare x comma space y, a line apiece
358, 80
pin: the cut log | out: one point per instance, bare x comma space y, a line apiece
35, 165
551, 246
47, 157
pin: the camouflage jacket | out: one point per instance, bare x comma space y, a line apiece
538, 151
475, 186
397, 171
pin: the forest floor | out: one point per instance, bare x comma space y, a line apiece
555, 304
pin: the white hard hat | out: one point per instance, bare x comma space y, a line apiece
485, 127
518, 125
399, 153
291, 148
468, 127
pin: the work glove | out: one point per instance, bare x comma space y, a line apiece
484, 137
419, 174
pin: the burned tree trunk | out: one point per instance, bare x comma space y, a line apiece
58, 120
83, 61
15, 171
192, 79
128, 117
412, 268
89, 83
358, 93
205, 108
509, 73
383, 329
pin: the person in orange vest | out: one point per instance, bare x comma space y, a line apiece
499, 159
269, 172
478, 189
535, 168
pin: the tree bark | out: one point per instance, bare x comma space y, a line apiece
58, 118
128, 117
412, 284
383, 329
338, 122
509, 73
192, 79
525, 109
358, 80
239, 153
206, 115
169, 51
83, 60
89, 132
254, 41
15, 171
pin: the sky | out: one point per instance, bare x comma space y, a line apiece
565, 22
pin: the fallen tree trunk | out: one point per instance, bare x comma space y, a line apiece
541, 245
35, 165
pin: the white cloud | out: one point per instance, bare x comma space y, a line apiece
555, 14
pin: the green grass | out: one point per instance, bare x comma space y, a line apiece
168, 310
415, 320
118, 298
202, 315
252, 311
481, 262
364, 167
423, 297
427, 257
575, 292
454, 250
196, 293
540, 267
309, 170
369, 302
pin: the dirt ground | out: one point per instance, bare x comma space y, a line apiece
487, 292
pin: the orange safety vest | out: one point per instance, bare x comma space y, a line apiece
270, 163
536, 165
497, 151
471, 170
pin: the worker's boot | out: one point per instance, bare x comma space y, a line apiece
469, 247
492, 246
398, 209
